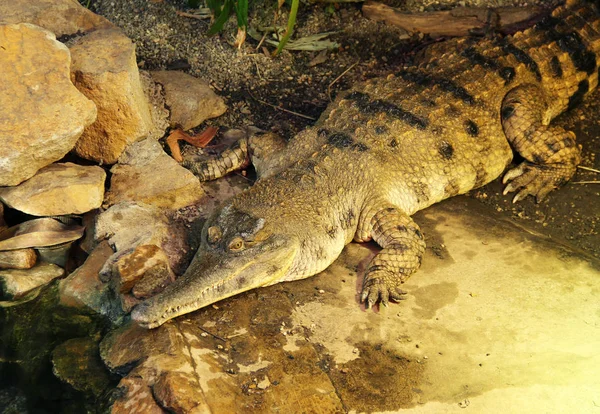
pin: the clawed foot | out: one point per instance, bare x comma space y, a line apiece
381, 286
536, 180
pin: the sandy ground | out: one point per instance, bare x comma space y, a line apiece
497, 320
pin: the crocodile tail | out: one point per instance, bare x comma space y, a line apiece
566, 48
580, 16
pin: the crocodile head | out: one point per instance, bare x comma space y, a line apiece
238, 252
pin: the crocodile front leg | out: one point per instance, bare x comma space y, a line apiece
551, 152
403, 246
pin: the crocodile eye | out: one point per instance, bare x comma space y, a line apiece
214, 234
236, 244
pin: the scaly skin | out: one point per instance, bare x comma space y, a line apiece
386, 149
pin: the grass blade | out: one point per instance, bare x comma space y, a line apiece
221, 19
290, 26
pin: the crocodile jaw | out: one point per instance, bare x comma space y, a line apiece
212, 277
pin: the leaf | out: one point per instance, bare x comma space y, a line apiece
215, 6
221, 19
241, 12
290, 26
320, 58
314, 42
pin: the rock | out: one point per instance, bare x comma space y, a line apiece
136, 265
154, 281
62, 17
40, 232
145, 173
17, 259
155, 94
15, 283
128, 302
168, 392
128, 225
58, 189
77, 363
128, 346
190, 100
88, 220
245, 361
135, 398
59, 254
104, 69
164, 367
83, 288
41, 119
264, 383
13, 401
2, 222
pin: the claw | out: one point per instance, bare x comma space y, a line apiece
538, 181
542, 194
398, 295
518, 197
508, 189
385, 297
512, 174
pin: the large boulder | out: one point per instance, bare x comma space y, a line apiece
62, 17
58, 189
145, 173
104, 69
43, 114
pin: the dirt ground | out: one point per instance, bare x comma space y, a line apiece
259, 89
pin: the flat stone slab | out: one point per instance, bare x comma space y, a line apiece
14, 283
17, 259
62, 17
146, 174
61, 188
496, 320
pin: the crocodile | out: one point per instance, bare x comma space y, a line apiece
387, 148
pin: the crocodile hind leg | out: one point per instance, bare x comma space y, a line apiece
403, 246
550, 152
256, 149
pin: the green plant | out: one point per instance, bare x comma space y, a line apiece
290, 26
222, 9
